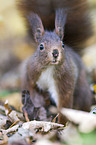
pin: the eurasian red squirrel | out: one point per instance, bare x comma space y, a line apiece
54, 68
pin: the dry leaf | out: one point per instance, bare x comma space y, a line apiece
3, 120
85, 120
45, 142
46, 126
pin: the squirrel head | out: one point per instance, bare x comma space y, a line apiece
50, 45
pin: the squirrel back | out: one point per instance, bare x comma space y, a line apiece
78, 24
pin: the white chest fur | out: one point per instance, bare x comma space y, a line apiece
47, 82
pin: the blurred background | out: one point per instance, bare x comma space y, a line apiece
16, 46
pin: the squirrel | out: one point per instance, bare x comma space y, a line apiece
55, 70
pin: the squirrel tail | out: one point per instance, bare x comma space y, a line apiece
78, 26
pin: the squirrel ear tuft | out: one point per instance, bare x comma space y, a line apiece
60, 21
36, 26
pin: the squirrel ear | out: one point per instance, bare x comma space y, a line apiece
36, 26
60, 20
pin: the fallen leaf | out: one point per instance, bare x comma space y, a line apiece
85, 120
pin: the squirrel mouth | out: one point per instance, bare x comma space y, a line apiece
54, 61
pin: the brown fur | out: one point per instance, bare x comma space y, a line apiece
72, 93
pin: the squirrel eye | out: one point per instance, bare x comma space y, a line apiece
63, 45
41, 47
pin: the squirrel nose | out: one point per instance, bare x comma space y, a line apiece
55, 53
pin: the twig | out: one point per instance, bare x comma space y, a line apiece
14, 123
26, 116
